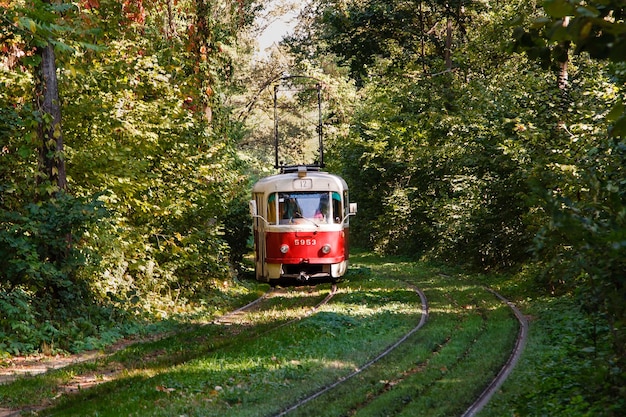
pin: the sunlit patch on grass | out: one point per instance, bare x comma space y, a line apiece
264, 359
342, 365
299, 292
451, 309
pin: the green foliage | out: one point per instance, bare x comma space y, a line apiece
37, 246
481, 157
18, 322
434, 164
595, 28
171, 200
364, 33
41, 254
571, 374
582, 244
39, 23
148, 141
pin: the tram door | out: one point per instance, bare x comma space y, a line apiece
259, 238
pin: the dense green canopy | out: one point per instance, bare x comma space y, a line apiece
485, 133
489, 134
151, 211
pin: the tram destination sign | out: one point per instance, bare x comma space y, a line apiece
302, 184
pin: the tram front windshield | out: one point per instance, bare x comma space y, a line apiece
319, 207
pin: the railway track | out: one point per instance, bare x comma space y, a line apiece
318, 393
402, 405
236, 315
41, 365
83, 381
504, 372
408, 373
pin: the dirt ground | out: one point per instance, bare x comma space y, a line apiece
18, 366
10, 369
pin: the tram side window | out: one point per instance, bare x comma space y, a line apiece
271, 209
337, 208
346, 201
322, 211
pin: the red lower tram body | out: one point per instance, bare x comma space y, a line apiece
307, 255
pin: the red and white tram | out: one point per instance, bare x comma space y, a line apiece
302, 215
301, 226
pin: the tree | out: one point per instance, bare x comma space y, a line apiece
585, 237
473, 154
50, 133
399, 33
415, 156
151, 180
595, 27
39, 26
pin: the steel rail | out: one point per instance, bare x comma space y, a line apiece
505, 371
243, 308
329, 296
389, 349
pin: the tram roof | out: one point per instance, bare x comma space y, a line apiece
297, 181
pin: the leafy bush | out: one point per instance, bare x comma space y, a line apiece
40, 248
41, 254
145, 130
584, 247
444, 183
18, 322
573, 377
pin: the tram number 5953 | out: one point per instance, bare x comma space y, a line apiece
305, 242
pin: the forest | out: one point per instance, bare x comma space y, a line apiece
480, 133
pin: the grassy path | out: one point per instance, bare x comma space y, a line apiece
254, 368
444, 367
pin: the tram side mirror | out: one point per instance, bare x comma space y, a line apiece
351, 212
252, 207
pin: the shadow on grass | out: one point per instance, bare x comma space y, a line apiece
253, 374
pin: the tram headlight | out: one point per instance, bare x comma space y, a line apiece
326, 249
284, 249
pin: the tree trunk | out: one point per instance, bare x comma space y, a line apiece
562, 77
422, 38
170, 25
51, 158
204, 45
448, 51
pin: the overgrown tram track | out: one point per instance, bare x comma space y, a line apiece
233, 315
418, 367
504, 372
484, 396
238, 318
38, 367
229, 318
387, 351
225, 319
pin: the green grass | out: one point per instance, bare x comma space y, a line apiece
252, 375
251, 368
560, 372
443, 366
